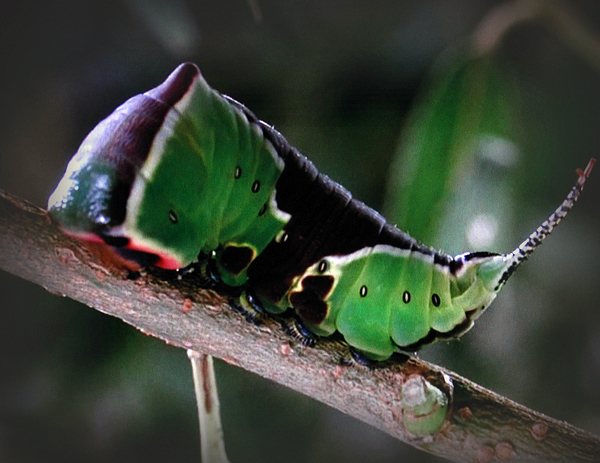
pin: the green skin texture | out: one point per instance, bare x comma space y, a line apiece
380, 320
191, 171
203, 150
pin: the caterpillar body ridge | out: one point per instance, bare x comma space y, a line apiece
182, 171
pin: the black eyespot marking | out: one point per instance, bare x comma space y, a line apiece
262, 210
322, 266
435, 299
172, 216
282, 238
363, 291
406, 297
234, 259
238, 172
255, 186
310, 302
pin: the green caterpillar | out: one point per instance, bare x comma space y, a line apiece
182, 173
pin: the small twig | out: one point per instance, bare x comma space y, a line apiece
574, 30
502, 18
212, 443
479, 426
555, 15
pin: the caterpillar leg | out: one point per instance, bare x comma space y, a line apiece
300, 333
353, 357
249, 306
200, 274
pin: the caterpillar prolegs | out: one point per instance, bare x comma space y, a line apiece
182, 171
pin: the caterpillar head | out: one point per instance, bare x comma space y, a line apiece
93, 199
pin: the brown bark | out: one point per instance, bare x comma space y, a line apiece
481, 426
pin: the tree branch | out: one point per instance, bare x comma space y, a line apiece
480, 426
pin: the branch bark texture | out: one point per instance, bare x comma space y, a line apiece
481, 426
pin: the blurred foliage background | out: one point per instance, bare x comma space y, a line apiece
462, 120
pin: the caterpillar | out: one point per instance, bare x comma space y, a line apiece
182, 174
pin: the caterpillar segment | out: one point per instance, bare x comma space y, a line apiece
173, 173
183, 176
383, 298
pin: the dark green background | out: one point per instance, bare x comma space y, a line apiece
338, 78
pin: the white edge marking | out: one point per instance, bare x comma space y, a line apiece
278, 213
146, 173
273, 207
336, 262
